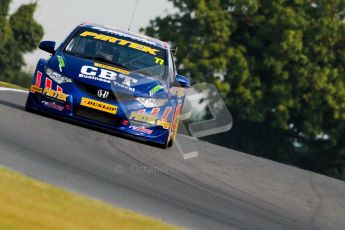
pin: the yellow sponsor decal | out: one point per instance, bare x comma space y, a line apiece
98, 105
142, 118
159, 61
55, 94
35, 89
112, 68
164, 124
120, 41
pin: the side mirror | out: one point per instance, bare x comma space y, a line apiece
174, 51
48, 46
182, 81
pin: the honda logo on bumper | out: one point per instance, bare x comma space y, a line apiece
102, 93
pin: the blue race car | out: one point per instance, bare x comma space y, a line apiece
112, 79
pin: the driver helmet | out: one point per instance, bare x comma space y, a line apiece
107, 50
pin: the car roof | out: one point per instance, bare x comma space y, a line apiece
124, 33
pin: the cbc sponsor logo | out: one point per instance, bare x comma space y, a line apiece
105, 75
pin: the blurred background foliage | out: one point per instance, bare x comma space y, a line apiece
19, 34
280, 66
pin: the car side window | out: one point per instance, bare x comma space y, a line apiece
174, 66
172, 72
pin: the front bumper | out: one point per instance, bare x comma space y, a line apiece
72, 108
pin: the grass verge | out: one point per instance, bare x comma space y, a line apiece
12, 86
30, 204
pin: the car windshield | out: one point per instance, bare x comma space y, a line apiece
129, 54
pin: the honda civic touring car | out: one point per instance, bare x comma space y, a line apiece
113, 79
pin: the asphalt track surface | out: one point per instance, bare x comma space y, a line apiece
220, 189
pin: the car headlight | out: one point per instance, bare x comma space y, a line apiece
58, 78
151, 102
